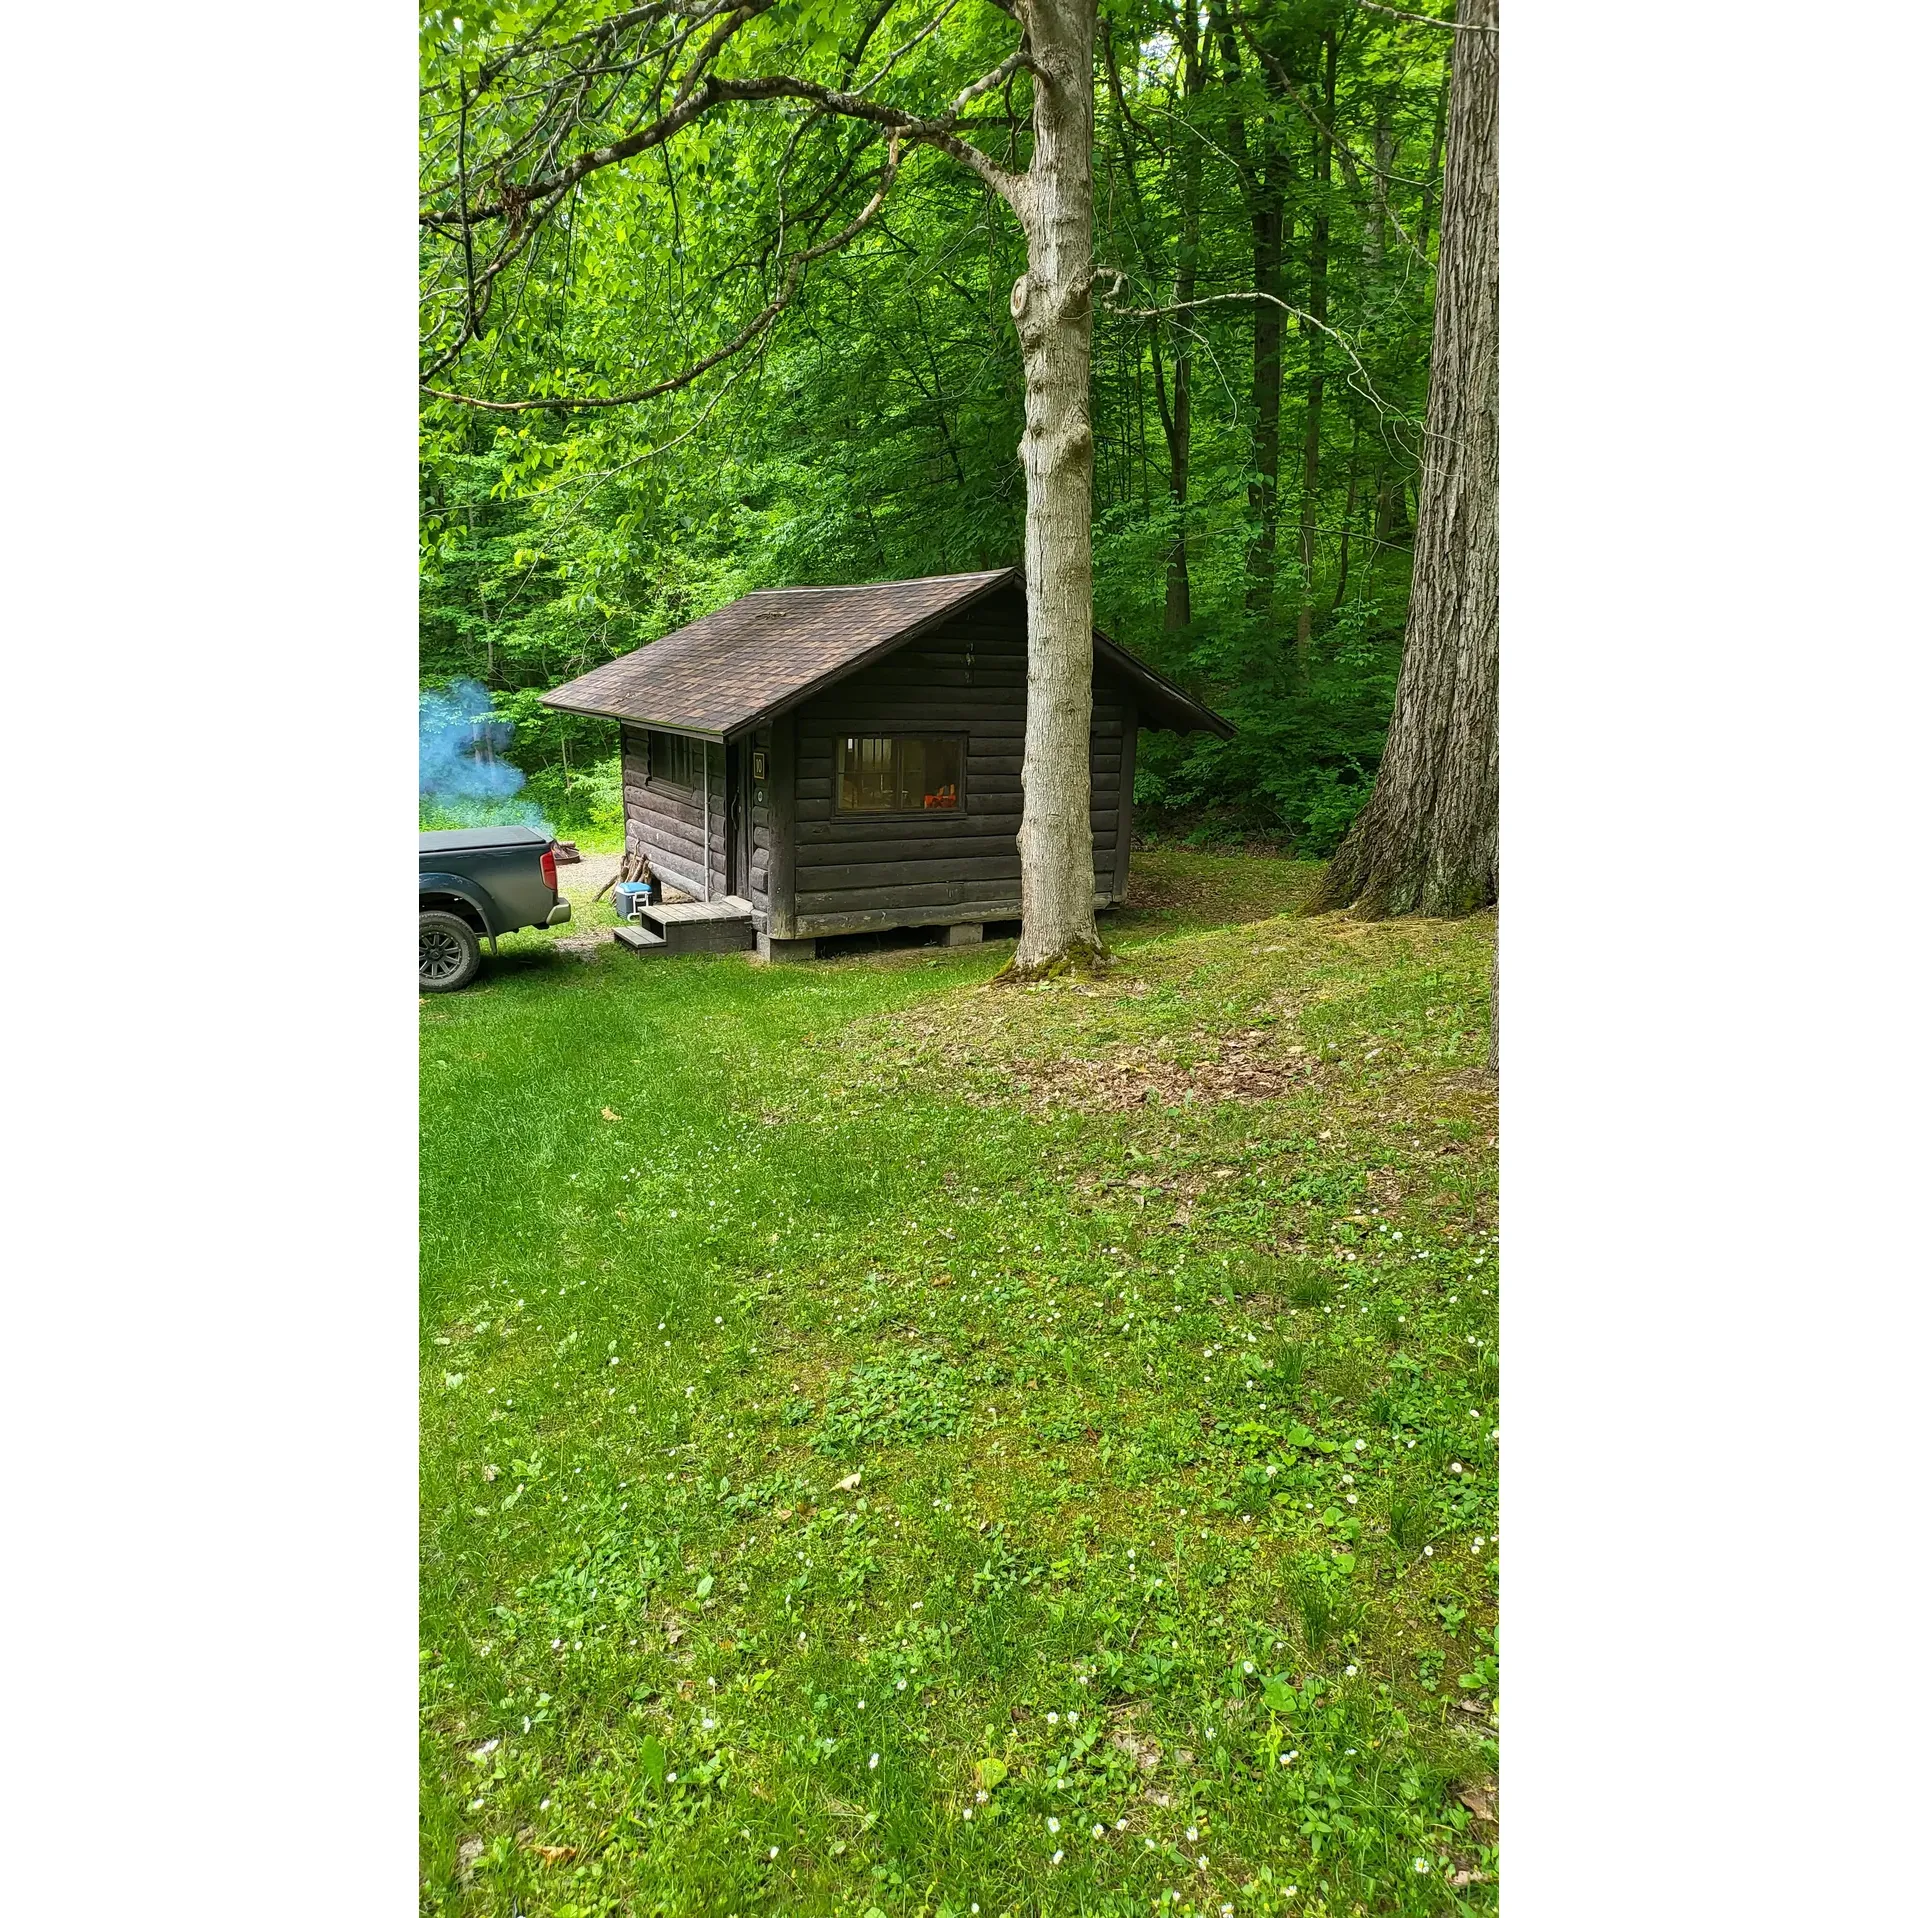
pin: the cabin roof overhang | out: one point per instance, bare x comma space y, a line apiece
750, 662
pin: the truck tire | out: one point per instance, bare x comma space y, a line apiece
449, 952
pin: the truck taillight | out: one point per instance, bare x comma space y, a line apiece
549, 869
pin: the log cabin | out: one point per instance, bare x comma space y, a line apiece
812, 761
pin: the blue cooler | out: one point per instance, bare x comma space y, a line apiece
629, 895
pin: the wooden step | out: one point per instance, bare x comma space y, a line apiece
638, 939
695, 912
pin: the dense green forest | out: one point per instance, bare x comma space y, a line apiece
1270, 173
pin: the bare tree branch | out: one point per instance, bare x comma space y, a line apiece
795, 269
1214, 299
1426, 20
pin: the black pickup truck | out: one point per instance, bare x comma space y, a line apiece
478, 883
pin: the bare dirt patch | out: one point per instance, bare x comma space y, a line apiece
1246, 1070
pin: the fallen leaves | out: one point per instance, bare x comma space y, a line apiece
850, 1483
609, 1115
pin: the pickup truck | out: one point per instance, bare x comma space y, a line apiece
475, 884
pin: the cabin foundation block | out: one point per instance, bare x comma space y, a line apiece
963, 935
783, 952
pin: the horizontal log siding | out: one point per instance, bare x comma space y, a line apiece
665, 823
968, 676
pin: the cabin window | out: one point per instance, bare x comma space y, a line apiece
672, 760
901, 773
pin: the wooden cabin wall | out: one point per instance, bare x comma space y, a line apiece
969, 676
665, 823
759, 792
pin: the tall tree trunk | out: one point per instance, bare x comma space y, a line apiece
1178, 574
1268, 386
1051, 305
1388, 520
1345, 523
1262, 180
1315, 352
1427, 841
1178, 447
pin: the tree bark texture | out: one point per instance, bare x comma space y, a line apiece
1427, 841
1052, 307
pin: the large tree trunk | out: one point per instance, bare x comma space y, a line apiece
1052, 305
1427, 842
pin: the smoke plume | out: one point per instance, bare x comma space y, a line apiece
465, 777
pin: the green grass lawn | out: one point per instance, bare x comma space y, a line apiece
891, 1443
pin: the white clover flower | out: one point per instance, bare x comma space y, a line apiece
1098, 1831
1052, 1718
1192, 1834
1072, 1718
967, 1814
872, 1763
1204, 1861
772, 1851
1456, 1466
1057, 1855
1419, 1864
1351, 1671
1285, 1758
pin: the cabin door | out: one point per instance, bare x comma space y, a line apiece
738, 839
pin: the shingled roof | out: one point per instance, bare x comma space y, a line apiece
764, 654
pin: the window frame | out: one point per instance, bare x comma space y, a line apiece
659, 779
959, 738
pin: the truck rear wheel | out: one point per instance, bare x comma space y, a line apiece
449, 952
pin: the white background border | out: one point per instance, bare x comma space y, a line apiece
1708, 692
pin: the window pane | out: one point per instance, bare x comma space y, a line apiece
939, 774
866, 775
899, 772
673, 760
